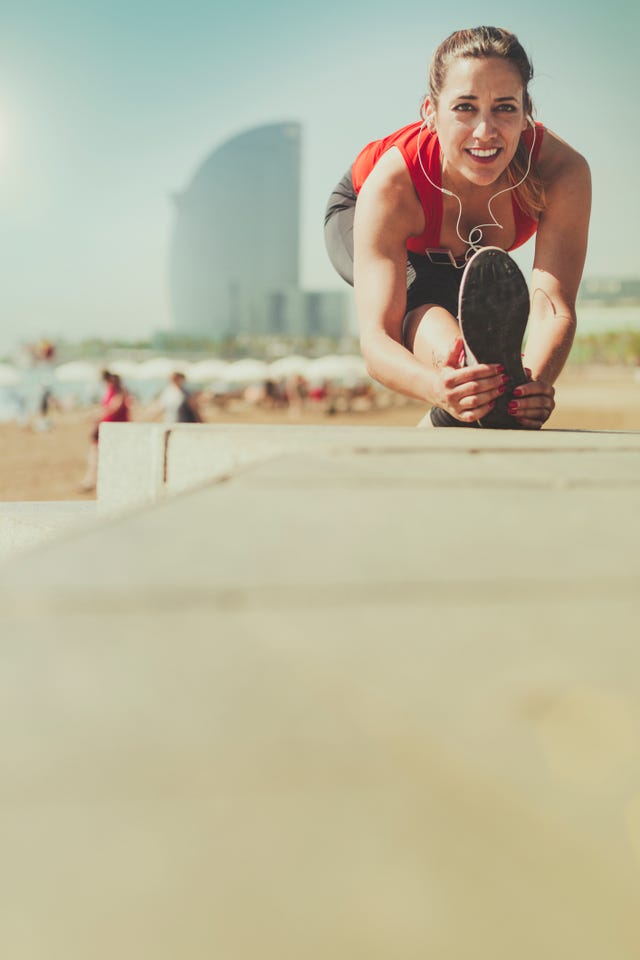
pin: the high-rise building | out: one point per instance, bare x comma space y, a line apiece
234, 256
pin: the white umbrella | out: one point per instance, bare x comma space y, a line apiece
127, 369
337, 367
158, 368
247, 371
76, 371
354, 367
9, 376
288, 367
204, 371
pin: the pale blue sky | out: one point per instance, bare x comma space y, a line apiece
106, 110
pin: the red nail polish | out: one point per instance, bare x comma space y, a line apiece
517, 392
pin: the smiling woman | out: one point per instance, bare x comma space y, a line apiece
421, 225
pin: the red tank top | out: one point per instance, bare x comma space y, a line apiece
121, 413
407, 140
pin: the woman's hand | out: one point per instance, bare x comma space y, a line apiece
532, 403
469, 393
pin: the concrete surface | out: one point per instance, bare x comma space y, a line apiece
373, 694
24, 526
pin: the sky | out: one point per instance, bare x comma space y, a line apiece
107, 109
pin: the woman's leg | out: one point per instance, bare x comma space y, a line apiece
431, 330
433, 336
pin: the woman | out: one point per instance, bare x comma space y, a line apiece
115, 408
477, 172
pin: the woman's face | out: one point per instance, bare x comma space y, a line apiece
479, 118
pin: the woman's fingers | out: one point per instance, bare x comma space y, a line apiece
533, 410
475, 397
472, 406
468, 375
477, 413
534, 388
532, 404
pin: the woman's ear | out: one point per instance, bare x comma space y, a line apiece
428, 114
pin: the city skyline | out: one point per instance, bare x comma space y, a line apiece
105, 111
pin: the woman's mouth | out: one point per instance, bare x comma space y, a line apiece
483, 155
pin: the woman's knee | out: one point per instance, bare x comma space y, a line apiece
338, 238
429, 322
431, 334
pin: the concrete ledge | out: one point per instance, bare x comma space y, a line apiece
143, 463
25, 525
132, 464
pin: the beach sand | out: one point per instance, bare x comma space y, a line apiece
50, 465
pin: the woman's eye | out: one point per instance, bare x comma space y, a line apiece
500, 107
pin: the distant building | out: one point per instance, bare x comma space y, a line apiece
234, 255
610, 290
308, 313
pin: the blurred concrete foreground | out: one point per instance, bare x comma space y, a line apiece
316, 692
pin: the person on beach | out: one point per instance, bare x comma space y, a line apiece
420, 226
175, 403
115, 408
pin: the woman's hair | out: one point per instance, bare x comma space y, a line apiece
495, 42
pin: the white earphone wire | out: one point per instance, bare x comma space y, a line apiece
474, 244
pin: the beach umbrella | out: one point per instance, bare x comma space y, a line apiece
205, 371
247, 371
324, 368
288, 367
337, 367
127, 369
77, 371
158, 368
354, 367
9, 376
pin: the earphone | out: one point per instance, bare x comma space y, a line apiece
473, 244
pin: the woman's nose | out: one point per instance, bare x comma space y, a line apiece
484, 128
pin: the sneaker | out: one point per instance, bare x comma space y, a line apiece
493, 310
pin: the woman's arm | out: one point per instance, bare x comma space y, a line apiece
387, 214
561, 246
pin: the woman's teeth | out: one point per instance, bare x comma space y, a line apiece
483, 153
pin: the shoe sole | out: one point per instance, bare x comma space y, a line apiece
493, 310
